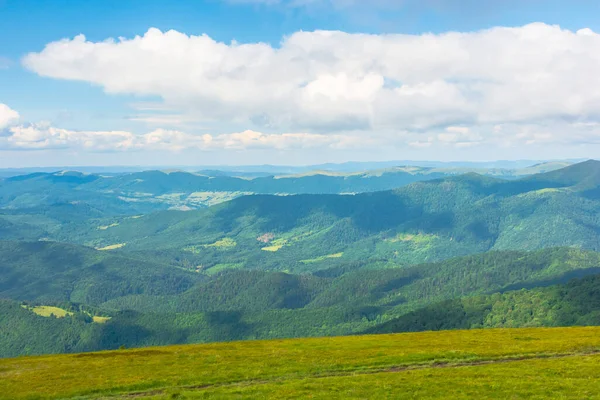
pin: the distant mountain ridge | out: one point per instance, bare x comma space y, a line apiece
158, 190
350, 166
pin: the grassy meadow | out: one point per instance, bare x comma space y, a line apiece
494, 363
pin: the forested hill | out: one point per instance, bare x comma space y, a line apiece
576, 303
421, 222
137, 308
60, 272
265, 266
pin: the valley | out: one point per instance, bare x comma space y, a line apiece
463, 251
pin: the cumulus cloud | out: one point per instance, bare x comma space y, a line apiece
324, 81
8, 116
42, 136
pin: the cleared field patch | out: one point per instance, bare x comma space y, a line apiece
225, 243
494, 363
221, 267
105, 227
287, 239
100, 320
416, 238
111, 247
273, 248
221, 244
48, 311
322, 258
212, 198
543, 191
276, 245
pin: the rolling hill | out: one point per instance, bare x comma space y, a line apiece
422, 222
267, 266
145, 305
499, 363
58, 272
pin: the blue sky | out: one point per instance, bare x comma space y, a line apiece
365, 97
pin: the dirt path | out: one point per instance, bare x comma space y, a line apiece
400, 368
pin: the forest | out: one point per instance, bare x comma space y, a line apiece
461, 251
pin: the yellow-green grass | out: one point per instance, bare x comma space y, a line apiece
273, 248
105, 227
212, 198
221, 244
288, 239
221, 267
322, 258
100, 320
47, 311
522, 363
111, 247
545, 191
277, 244
551, 378
416, 238
224, 243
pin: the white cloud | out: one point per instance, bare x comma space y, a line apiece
8, 116
502, 88
325, 81
42, 136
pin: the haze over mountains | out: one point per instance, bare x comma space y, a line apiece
266, 169
156, 190
293, 256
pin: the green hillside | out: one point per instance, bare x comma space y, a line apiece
58, 272
422, 222
147, 191
516, 363
155, 305
573, 304
465, 251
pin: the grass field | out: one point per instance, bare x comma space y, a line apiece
47, 311
499, 363
322, 258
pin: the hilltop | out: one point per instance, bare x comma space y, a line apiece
456, 364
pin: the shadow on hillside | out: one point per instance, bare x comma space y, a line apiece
566, 277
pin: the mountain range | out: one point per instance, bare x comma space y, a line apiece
450, 251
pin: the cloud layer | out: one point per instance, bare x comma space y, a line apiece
43, 136
327, 81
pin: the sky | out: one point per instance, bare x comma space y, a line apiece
238, 82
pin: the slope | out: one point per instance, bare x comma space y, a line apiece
56, 272
460, 364
236, 305
575, 303
421, 222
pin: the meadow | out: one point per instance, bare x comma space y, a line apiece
493, 363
